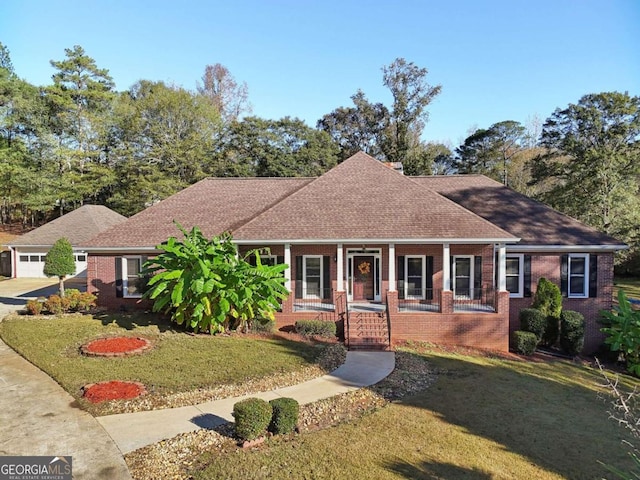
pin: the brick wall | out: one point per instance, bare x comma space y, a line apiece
548, 266
101, 280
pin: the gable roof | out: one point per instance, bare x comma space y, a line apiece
215, 205
77, 226
534, 222
362, 199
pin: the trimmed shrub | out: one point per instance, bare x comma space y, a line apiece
85, 301
524, 343
252, 416
572, 332
316, 327
263, 325
285, 415
34, 307
548, 299
54, 304
534, 321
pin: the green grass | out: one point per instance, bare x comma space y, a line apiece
484, 418
630, 285
178, 362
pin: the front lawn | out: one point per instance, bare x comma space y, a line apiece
483, 418
178, 364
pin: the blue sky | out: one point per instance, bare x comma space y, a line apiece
496, 60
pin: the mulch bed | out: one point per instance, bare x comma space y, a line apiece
116, 347
112, 390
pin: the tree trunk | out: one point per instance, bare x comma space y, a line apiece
61, 286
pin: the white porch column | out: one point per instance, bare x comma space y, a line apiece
287, 260
446, 267
392, 267
502, 268
340, 269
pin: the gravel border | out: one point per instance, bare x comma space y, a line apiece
175, 458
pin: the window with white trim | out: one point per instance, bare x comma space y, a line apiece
463, 275
131, 279
414, 276
578, 275
514, 273
312, 276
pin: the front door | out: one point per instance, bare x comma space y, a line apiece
363, 277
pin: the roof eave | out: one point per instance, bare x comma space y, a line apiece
347, 241
567, 248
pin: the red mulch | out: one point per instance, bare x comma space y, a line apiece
115, 345
113, 390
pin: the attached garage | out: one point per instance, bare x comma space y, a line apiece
28, 251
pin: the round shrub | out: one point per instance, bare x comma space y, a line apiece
34, 307
316, 327
572, 331
263, 325
252, 417
534, 321
285, 415
524, 343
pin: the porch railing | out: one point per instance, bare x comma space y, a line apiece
315, 300
477, 300
419, 300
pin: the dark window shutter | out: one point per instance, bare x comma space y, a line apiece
400, 276
279, 259
119, 291
564, 275
477, 276
527, 275
298, 276
593, 276
429, 279
251, 260
496, 273
326, 276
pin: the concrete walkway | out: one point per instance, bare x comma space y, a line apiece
135, 430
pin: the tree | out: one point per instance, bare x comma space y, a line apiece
59, 262
490, 151
358, 128
429, 159
278, 148
221, 89
592, 156
80, 100
411, 95
207, 286
163, 139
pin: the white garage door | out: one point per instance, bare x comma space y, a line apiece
31, 265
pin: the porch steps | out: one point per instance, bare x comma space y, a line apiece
368, 331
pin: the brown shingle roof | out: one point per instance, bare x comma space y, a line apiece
532, 221
363, 199
77, 226
215, 205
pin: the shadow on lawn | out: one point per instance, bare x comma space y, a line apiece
131, 321
434, 471
545, 411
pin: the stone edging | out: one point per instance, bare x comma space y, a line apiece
84, 349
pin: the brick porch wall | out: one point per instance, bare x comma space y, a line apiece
548, 266
101, 280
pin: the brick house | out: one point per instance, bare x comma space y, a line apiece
445, 259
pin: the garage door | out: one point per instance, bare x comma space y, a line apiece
31, 265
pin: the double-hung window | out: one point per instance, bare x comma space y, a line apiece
578, 275
131, 280
312, 275
514, 273
415, 276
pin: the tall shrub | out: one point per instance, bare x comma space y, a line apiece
548, 299
59, 262
534, 321
571, 332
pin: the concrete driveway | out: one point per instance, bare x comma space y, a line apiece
15, 292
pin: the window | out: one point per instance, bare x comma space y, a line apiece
131, 280
24, 258
270, 260
514, 272
414, 277
34, 258
578, 275
81, 258
312, 276
463, 276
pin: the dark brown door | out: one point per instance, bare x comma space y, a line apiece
363, 278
